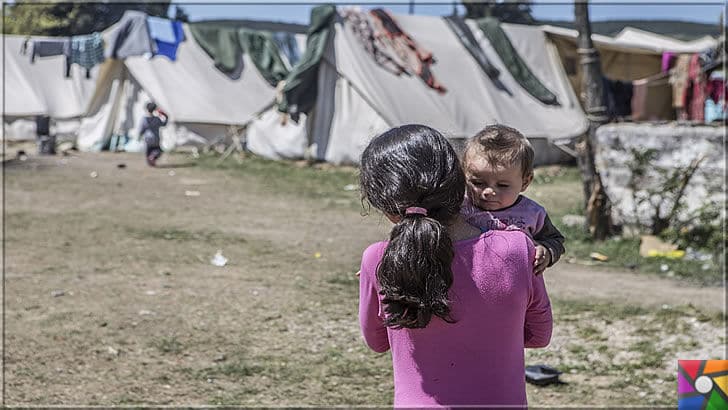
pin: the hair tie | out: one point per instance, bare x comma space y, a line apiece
415, 210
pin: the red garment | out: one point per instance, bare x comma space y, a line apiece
695, 92
403, 48
365, 34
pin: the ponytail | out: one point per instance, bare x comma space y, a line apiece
415, 273
413, 175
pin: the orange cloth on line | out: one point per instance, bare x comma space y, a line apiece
639, 96
679, 79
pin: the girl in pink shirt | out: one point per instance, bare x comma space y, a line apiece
455, 306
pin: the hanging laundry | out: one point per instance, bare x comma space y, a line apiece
651, 99
301, 87
710, 59
222, 44
415, 60
668, 58
167, 45
679, 81
695, 91
160, 29
466, 37
87, 51
716, 90
50, 48
514, 63
130, 37
264, 52
286, 42
362, 28
617, 98
226, 45
716, 86
715, 111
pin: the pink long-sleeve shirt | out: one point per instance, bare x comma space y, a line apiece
500, 307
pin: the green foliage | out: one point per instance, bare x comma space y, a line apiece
68, 19
660, 188
624, 253
507, 11
701, 230
559, 191
663, 189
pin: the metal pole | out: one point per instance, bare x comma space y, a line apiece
412, 7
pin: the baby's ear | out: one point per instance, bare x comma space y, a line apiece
527, 181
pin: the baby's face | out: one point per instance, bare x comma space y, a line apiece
493, 188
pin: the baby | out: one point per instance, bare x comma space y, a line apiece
498, 165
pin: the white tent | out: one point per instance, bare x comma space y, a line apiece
639, 38
632, 55
203, 103
41, 88
358, 99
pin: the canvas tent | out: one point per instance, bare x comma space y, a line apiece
634, 37
357, 98
631, 55
203, 103
38, 88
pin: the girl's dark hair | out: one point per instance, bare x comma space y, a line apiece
151, 107
414, 166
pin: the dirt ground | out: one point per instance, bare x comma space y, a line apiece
111, 298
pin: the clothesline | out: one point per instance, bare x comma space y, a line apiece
136, 34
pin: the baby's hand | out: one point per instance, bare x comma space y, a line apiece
543, 259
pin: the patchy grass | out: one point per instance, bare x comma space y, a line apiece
168, 345
319, 180
623, 355
558, 189
277, 326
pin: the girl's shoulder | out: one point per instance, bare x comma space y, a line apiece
511, 250
509, 241
495, 234
515, 236
374, 252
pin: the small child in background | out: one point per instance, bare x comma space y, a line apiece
498, 165
149, 130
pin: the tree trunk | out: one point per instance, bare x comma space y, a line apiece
598, 209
